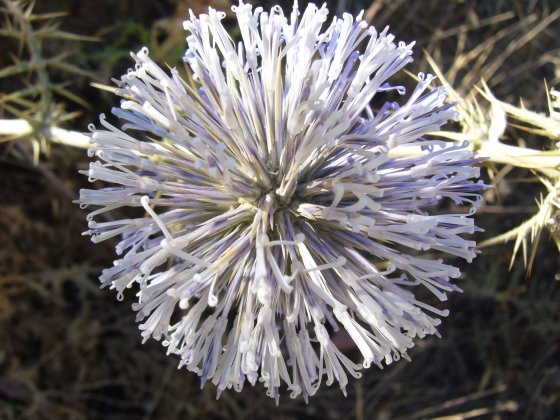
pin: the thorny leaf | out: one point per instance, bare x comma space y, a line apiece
548, 125
484, 127
529, 232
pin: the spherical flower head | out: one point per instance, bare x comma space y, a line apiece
279, 204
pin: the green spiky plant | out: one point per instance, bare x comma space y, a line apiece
36, 109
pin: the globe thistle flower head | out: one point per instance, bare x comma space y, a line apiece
278, 207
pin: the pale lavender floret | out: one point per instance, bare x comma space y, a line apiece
276, 207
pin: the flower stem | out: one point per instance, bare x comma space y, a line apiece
21, 128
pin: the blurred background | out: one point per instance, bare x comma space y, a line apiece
69, 350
